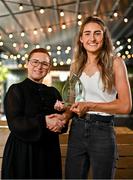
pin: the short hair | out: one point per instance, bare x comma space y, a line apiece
39, 50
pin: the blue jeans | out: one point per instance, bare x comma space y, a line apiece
91, 143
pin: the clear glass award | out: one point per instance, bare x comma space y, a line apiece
73, 90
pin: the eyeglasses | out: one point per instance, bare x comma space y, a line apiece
35, 63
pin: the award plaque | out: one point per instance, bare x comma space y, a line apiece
73, 90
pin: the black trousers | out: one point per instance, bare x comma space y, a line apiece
91, 143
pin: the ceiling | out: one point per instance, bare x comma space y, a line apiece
34, 25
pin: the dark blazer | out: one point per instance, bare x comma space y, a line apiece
32, 151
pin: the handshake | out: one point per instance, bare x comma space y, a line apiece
55, 122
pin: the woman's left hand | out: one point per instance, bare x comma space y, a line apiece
80, 108
59, 105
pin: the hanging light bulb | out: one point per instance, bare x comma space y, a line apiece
129, 40
125, 20
79, 22
1, 43
61, 13
118, 43
37, 46
58, 48
63, 26
42, 10
35, 31
48, 47
22, 34
14, 45
20, 7
26, 45
79, 16
49, 29
115, 14
10, 35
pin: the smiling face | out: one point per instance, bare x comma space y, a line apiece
38, 66
92, 37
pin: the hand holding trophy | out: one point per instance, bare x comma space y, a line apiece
72, 91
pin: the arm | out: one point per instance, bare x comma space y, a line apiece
58, 121
22, 126
121, 105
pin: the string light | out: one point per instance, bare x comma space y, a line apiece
129, 46
54, 60
68, 61
61, 63
1, 43
23, 58
58, 52
20, 65
58, 48
67, 51
50, 53
37, 46
62, 13
48, 47
126, 52
129, 40
115, 14
18, 56
121, 47
26, 45
118, 42
79, 23
129, 56
123, 56
35, 31
42, 10
79, 16
69, 48
10, 35
118, 54
63, 26
22, 34
49, 29
20, 7
125, 20
14, 45
11, 56
26, 55
14, 57
55, 64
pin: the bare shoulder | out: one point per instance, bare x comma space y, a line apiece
118, 63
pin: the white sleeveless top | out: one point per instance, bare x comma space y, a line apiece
93, 88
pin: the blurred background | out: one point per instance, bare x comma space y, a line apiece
53, 24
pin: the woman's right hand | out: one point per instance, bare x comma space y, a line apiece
80, 108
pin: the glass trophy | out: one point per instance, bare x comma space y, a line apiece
73, 91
